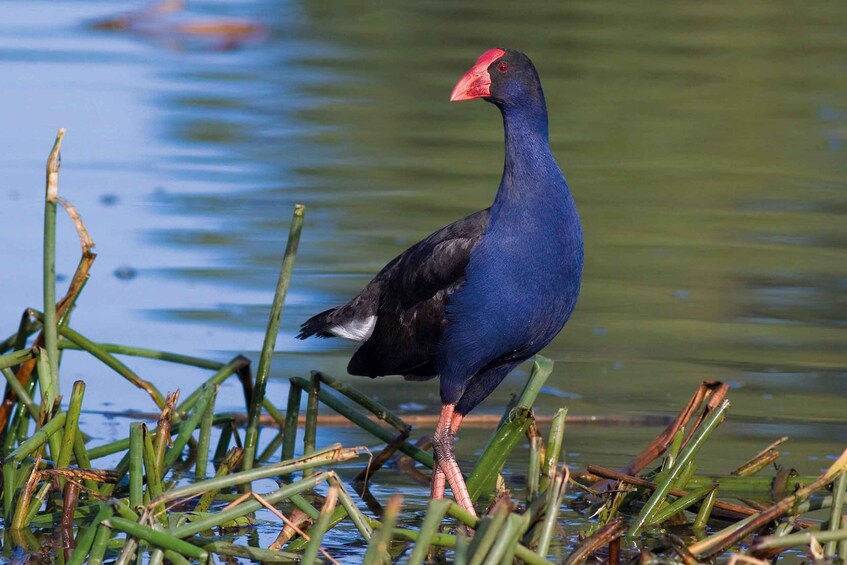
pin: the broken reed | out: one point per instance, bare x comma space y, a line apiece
142, 508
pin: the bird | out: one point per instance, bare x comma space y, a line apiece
478, 297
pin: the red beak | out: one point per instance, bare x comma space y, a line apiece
477, 82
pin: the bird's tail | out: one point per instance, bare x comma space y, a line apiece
318, 325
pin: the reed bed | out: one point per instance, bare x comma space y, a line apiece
163, 502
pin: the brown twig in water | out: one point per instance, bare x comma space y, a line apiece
707, 547
485, 421
605, 535
721, 508
376, 463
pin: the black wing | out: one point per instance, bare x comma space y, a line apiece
407, 298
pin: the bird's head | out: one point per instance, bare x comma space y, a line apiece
505, 77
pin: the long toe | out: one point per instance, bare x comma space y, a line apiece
457, 484
438, 481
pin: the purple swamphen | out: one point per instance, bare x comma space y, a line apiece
476, 298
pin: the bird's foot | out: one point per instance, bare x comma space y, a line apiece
446, 468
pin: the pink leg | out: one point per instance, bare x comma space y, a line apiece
439, 479
445, 457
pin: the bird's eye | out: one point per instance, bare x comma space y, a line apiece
503, 67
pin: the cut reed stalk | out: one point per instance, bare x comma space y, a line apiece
51, 339
251, 438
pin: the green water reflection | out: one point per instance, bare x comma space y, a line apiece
703, 143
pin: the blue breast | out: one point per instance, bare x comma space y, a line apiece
524, 276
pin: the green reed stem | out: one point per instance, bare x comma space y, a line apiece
253, 554
228, 463
510, 433
251, 438
306, 507
66, 448
175, 558
16, 358
224, 516
155, 486
374, 407
123, 444
331, 454
705, 511
20, 392
555, 494
186, 430
435, 512
224, 371
82, 460
321, 526
490, 527
359, 520
136, 460
118, 349
85, 538
461, 549
687, 454
381, 539
28, 447
800, 538
158, 538
836, 514
506, 543
101, 538
51, 339
310, 430
366, 424
205, 439
681, 504
19, 519
113, 363
292, 415
554, 442
534, 470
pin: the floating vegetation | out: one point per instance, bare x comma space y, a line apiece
159, 503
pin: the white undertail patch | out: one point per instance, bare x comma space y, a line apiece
357, 330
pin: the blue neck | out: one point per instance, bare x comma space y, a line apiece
529, 165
